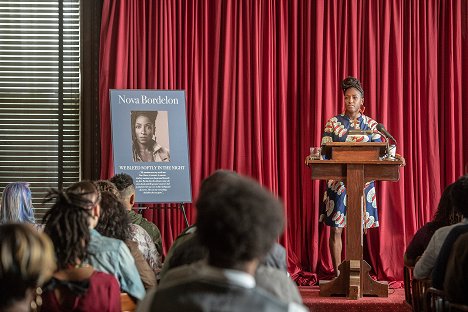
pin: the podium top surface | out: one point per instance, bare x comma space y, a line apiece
354, 150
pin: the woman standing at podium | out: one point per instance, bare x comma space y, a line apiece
333, 212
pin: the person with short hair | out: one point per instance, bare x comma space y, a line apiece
237, 222
26, 262
124, 183
145, 148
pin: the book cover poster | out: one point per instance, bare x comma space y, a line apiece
149, 139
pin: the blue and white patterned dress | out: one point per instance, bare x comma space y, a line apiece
333, 212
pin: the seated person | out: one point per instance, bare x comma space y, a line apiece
459, 193
76, 286
440, 267
456, 278
107, 254
26, 262
115, 223
16, 205
124, 184
444, 216
237, 222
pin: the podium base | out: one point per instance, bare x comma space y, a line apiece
353, 282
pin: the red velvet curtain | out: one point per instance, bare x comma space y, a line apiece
262, 78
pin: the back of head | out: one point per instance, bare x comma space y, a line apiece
26, 262
114, 220
446, 213
107, 186
124, 183
67, 222
459, 194
237, 220
16, 205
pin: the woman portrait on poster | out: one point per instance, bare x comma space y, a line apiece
145, 147
333, 211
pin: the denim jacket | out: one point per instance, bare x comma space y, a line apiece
112, 256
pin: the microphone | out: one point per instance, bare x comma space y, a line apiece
384, 131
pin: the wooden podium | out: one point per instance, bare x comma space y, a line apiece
354, 164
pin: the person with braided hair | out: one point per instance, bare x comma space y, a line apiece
76, 286
105, 254
333, 212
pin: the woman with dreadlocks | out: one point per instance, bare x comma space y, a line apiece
445, 215
76, 286
333, 212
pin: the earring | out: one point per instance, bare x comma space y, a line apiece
36, 303
362, 109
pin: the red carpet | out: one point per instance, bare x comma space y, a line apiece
394, 302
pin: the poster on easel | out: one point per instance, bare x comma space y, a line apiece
149, 140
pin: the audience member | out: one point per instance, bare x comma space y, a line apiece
76, 286
456, 279
137, 233
114, 222
270, 274
459, 194
107, 254
445, 215
237, 222
440, 266
124, 184
107, 186
16, 205
26, 262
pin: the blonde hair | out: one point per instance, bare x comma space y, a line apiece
26, 261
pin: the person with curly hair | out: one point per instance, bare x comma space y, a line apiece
124, 183
115, 223
237, 222
76, 286
26, 262
333, 211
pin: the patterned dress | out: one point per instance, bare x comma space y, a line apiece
333, 212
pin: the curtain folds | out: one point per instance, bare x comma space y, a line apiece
262, 78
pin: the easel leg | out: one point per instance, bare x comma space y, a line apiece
182, 208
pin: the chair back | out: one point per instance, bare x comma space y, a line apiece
127, 304
435, 301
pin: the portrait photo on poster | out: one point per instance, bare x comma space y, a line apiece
150, 136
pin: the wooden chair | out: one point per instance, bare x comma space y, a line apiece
435, 301
414, 289
127, 304
407, 272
